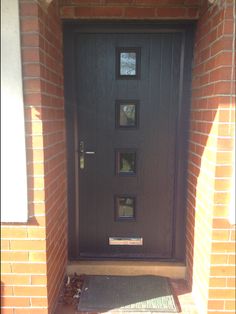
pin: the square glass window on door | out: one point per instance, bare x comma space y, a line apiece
128, 63
125, 207
126, 162
127, 114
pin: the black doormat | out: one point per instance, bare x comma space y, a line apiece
127, 294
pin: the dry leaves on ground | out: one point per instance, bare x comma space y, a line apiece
72, 289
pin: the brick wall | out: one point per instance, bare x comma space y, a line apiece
210, 235
54, 151
34, 255
130, 9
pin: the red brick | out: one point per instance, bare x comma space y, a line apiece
171, 12
33, 99
38, 279
204, 79
222, 184
217, 312
231, 259
39, 302
229, 13
32, 85
29, 268
121, 2
221, 223
157, 2
192, 13
143, 13
216, 304
31, 311
13, 232
222, 270
5, 244
192, 2
221, 74
30, 40
67, 12
223, 59
30, 291
228, 27
217, 282
8, 256
225, 144
28, 9
98, 12
15, 302
232, 235
230, 305
79, 2
222, 294
208, 90
15, 279
5, 267
6, 290
148, 2
221, 45
218, 18
231, 282
37, 256
223, 87
218, 259
32, 69
29, 25
224, 247
30, 54
37, 233
7, 310
224, 115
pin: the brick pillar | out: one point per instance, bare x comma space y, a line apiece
210, 231
34, 255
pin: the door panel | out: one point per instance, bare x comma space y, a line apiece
156, 93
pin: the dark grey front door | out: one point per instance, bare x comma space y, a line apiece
128, 91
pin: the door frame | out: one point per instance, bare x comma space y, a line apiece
70, 29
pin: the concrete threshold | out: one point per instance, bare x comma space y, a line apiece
128, 268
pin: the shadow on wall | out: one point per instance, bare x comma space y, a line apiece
2, 294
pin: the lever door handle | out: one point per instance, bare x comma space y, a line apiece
82, 154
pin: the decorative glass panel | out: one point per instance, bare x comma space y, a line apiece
126, 162
127, 114
125, 207
128, 63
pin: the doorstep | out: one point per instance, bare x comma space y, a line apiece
128, 268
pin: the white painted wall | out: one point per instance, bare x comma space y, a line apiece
14, 205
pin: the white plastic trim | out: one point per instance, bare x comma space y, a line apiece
14, 204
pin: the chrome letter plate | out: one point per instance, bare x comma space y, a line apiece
125, 241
